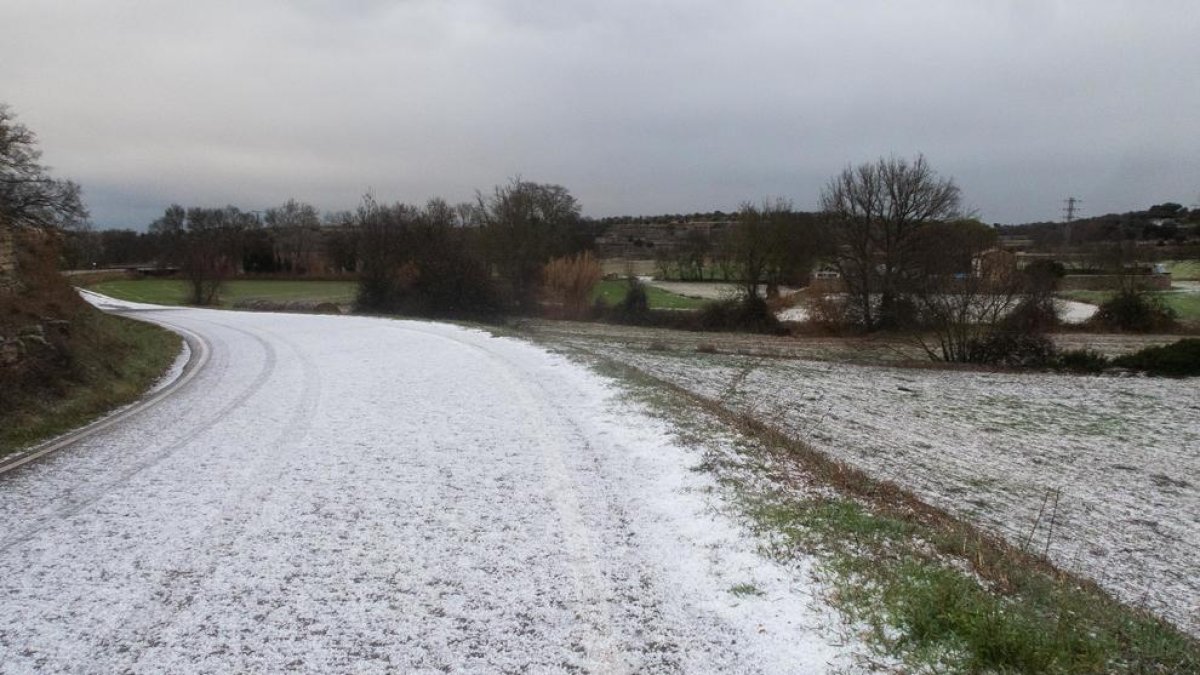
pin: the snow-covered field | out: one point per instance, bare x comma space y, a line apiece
1069, 311
334, 494
1123, 453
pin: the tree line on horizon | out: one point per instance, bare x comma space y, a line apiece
906, 255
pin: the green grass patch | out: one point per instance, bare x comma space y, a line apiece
114, 361
899, 579
745, 590
1184, 270
1185, 304
613, 291
174, 291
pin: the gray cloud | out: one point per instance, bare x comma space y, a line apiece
637, 107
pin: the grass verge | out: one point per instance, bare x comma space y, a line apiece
921, 585
114, 361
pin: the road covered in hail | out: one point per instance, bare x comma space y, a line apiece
349, 493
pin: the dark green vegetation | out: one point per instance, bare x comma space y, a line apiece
1179, 359
1130, 310
1185, 305
926, 587
174, 292
64, 363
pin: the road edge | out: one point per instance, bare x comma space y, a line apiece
198, 356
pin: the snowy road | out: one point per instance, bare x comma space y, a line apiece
335, 494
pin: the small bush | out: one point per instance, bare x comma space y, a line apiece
1015, 349
1135, 312
1033, 314
634, 308
749, 313
1082, 361
829, 312
570, 280
1179, 359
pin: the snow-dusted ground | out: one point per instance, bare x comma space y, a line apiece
335, 494
709, 290
1069, 311
1125, 453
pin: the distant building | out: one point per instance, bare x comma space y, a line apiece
994, 263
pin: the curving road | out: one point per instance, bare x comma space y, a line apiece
330, 494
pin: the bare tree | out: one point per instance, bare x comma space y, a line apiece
296, 230
339, 240
875, 211
964, 289
210, 250
526, 224
771, 244
421, 261
750, 243
692, 255
29, 197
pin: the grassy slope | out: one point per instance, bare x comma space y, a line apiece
123, 359
612, 292
174, 292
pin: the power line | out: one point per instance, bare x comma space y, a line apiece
1069, 211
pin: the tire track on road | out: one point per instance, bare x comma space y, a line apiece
231, 529
76, 504
592, 589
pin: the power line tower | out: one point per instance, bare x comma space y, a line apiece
1069, 210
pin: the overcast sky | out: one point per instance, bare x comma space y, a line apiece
636, 106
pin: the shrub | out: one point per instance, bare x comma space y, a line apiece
1016, 349
1136, 312
1082, 361
635, 306
1033, 314
570, 280
749, 313
1178, 359
829, 312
